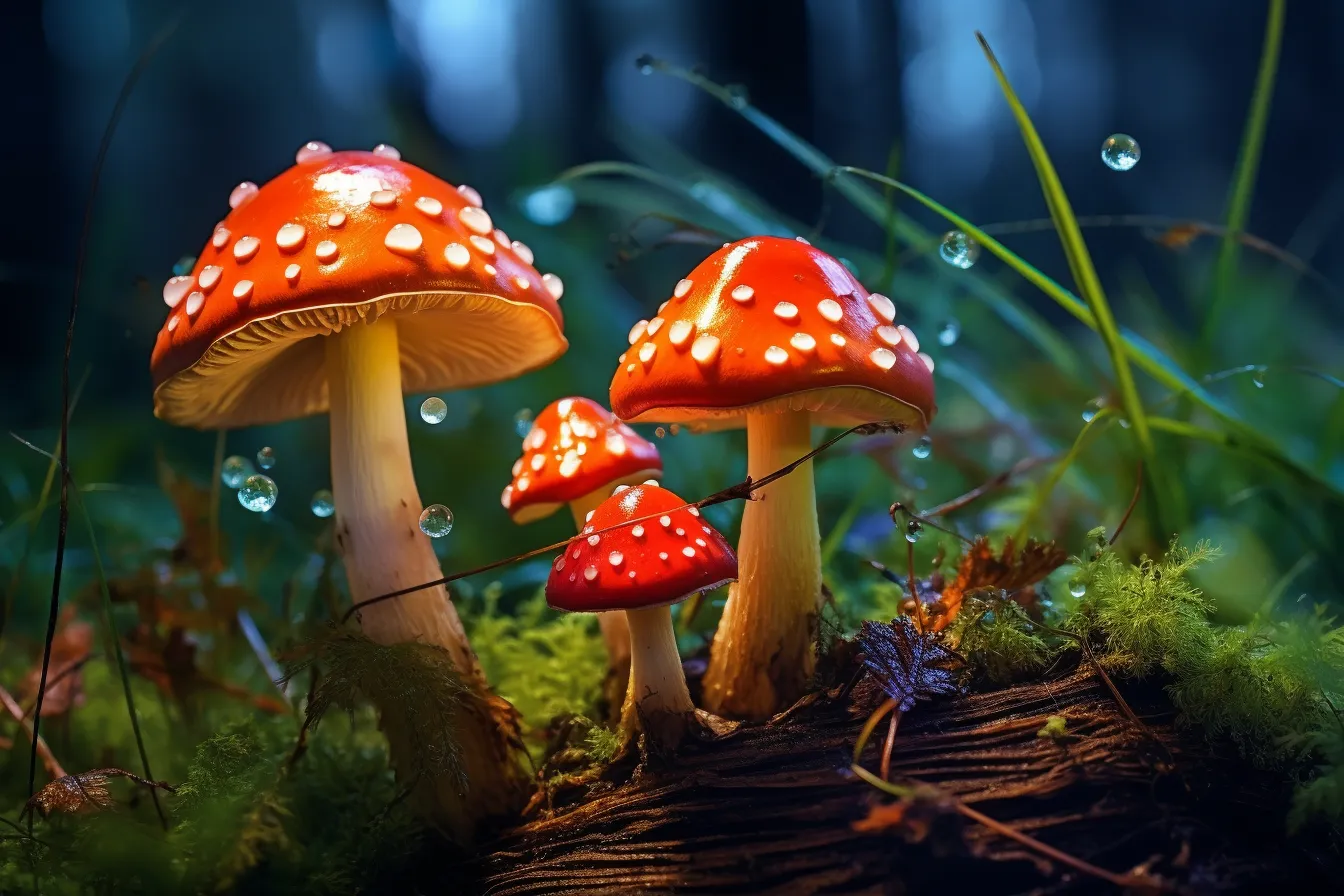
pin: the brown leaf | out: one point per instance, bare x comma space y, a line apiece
83, 792
70, 650
197, 548
170, 664
1009, 570
914, 818
1180, 236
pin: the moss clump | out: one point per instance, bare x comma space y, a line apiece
1056, 728
999, 641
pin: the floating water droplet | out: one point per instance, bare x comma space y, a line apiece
235, 470
923, 448
738, 97
645, 64
1120, 152
549, 206
1077, 587
266, 458
433, 410
258, 493
323, 504
913, 530
1088, 414
436, 521
522, 422
950, 332
958, 249
660, 433
184, 265
675, 429
1258, 378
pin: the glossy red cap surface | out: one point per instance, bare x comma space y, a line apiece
773, 324
575, 448
340, 238
646, 564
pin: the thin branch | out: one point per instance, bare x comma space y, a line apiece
39, 744
1138, 490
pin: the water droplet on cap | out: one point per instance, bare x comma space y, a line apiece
313, 149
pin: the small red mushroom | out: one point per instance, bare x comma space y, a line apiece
575, 453
643, 567
773, 335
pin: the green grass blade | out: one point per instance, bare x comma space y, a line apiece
1089, 284
1248, 164
1048, 484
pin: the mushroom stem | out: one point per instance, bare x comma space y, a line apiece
762, 656
615, 631
657, 682
379, 538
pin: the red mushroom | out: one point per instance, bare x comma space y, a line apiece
774, 335
643, 567
575, 453
411, 288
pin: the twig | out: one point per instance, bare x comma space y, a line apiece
62, 675
923, 520
996, 482
39, 745
1138, 490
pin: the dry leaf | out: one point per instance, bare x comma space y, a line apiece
86, 791
908, 664
1009, 570
70, 650
170, 664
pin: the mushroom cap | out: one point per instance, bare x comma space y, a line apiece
575, 448
644, 564
773, 324
340, 238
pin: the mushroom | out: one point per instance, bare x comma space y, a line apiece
658, 556
575, 453
774, 335
410, 288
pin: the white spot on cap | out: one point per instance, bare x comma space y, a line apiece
522, 282
564, 406
383, 199
776, 355
928, 362
650, 481
430, 206
173, 322
889, 334
290, 236
175, 290
637, 331
559, 564
457, 255
195, 302
837, 340
909, 336
620, 488
637, 531
538, 461
743, 293
313, 149
803, 241
615, 443
537, 438
482, 245
523, 483
517, 466
490, 270
593, 540
693, 511
470, 195
590, 573
477, 219
705, 349
336, 219
523, 252
242, 290
655, 325
688, 551
664, 521
570, 465
209, 276
387, 151
662, 555
241, 193
245, 248
683, 286
221, 237
629, 368
701, 542
681, 533
882, 306
553, 285
883, 357
830, 309
680, 331
646, 352
786, 311
588, 518
803, 342
327, 251
663, 307
615, 558
632, 573
403, 238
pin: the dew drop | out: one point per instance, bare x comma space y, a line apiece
644, 64
266, 458
1120, 152
436, 521
387, 151
242, 193
522, 422
1258, 378
738, 97
913, 531
322, 504
949, 332
660, 433
958, 249
923, 448
1089, 414
235, 470
1077, 587
313, 149
258, 493
433, 410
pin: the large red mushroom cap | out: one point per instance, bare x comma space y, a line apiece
339, 238
642, 564
575, 447
773, 324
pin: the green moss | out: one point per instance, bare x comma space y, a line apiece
998, 640
1056, 728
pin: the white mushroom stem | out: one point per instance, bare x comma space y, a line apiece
763, 654
657, 683
379, 538
615, 631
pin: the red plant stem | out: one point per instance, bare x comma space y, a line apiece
885, 768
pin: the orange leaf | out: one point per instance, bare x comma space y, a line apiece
1009, 570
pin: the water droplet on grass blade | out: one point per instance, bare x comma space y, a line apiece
950, 332
436, 521
323, 504
258, 493
433, 410
913, 530
1120, 152
1077, 587
923, 448
958, 249
235, 470
645, 64
1258, 378
266, 458
738, 97
522, 422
